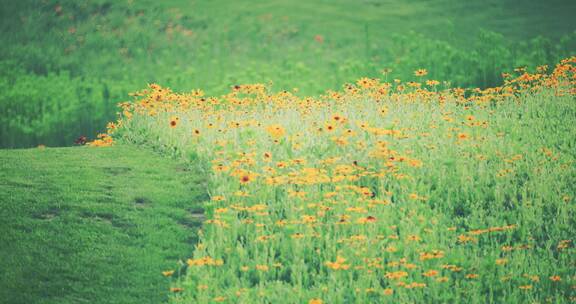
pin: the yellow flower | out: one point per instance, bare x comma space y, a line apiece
396, 275
168, 273
276, 131
434, 254
218, 198
555, 278
430, 273
263, 268
367, 83
174, 121
338, 118
330, 127
415, 163
465, 239
442, 279
415, 285
208, 261
297, 236
221, 210
315, 301
391, 249
104, 140
420, 73
463, 136
247, 177
338, 264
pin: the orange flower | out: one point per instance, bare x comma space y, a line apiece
463, 136
430, 273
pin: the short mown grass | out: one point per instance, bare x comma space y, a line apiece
80, 225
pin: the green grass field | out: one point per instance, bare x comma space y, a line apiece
86, 225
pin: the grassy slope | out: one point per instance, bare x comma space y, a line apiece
82, 225
517, 19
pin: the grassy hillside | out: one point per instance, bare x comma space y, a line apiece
84, 225
378, 193
65, 64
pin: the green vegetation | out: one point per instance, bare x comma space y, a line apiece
379, 193
65, 64
84, 225
344, 151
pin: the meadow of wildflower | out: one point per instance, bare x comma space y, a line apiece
380, 192
320, 152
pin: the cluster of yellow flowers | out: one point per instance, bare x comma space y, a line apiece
308, 192
208, 261
104, 140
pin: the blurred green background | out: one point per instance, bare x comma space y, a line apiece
65, 64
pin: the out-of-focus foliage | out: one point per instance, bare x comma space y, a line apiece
64, 64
